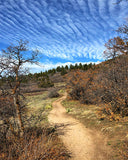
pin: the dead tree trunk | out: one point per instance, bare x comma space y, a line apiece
18, 115
16, 100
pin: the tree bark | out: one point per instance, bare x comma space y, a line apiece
17, 106
18, 116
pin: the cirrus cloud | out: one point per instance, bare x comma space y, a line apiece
64, 29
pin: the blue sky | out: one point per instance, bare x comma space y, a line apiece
64, 31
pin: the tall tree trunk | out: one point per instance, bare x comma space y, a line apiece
17, 105
18, 116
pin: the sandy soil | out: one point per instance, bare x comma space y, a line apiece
82, 143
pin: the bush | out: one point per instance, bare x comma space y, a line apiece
45, 83
53, 94
106, 84
37, 143
63, 72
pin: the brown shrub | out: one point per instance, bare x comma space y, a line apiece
106, 84
53, 93
36, 143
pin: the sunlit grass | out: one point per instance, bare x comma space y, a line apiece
39, 106
115, 132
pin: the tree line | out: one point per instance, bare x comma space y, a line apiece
64, 69
42, 78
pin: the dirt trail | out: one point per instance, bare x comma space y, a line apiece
77, 138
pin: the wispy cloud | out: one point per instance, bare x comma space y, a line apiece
65, 29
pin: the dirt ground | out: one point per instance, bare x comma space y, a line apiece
82, 143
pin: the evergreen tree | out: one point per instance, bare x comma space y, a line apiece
66, 67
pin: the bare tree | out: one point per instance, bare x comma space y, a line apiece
12, 62
114, 47
124, 30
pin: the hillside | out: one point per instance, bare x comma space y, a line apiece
98, 98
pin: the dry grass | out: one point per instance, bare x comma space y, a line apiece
60, 84
116, 132
37, 144
37, 101
39, 106
40, 140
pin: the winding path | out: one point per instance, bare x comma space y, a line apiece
75, 136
